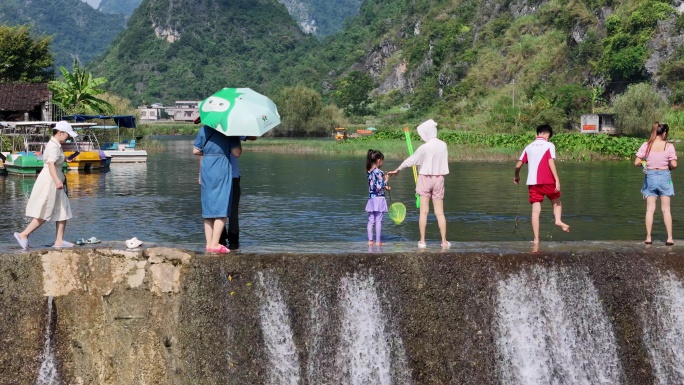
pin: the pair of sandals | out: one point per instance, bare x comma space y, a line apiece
666, 243
89, 241
424, 245
24, 243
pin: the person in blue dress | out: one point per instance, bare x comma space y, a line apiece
215, 179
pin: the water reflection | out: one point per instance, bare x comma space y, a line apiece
82, 184
314, 202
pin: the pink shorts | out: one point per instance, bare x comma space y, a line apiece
431, 186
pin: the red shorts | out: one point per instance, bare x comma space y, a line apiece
538, 191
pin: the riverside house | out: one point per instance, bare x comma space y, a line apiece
186, 111
25, 102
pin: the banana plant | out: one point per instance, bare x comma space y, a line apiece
78, 91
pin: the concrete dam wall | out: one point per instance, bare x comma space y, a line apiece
166, 316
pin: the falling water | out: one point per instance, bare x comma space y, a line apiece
283, 368
317, 366
663, 321
369, 353
551, 329
48, 374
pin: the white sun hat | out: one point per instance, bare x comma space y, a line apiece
66, 127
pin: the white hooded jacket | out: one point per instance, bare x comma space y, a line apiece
433, 156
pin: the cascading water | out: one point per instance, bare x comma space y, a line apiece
318, 367
48, 374
551, 329
276, 327
369, 353
663, 321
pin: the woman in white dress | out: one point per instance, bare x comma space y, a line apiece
48, 201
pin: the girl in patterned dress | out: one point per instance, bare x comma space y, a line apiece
377, 184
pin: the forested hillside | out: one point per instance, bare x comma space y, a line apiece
188, 49
124, 7
322, 17
502, 64
79, 30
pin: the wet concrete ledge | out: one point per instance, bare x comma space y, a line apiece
168, 316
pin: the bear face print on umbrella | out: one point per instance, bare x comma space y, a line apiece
239, 112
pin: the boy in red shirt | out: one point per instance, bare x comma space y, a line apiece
542, 179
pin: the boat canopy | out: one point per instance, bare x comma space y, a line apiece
126, 121
98, 127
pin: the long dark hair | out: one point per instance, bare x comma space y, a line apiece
657, 130
372, 157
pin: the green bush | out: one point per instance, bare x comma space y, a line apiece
625, 50
637, 109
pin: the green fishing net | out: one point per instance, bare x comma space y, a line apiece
397, 212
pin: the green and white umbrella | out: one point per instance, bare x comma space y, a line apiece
239, 112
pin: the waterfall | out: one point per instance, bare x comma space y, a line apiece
369, 352
551, 329
663, 321
48, 374
317, 365
274, 316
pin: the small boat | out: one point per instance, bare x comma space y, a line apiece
23, 163
120, 151
29, 137
90, 156
125, 152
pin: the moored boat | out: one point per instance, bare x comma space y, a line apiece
90, 156
119, 151
23, 163
29, 137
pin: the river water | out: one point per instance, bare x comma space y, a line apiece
315, 201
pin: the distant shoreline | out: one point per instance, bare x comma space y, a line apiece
396, 150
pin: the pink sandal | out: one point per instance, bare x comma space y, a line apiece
219, 250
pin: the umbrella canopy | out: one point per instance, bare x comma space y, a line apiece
239, 112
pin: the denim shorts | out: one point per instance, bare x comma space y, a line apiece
657, 183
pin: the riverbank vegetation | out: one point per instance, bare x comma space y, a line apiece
463, 146
488, 72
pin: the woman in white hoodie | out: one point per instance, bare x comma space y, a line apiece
433, 161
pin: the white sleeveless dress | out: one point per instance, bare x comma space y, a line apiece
46, 201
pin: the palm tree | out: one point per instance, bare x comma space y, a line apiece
78, 92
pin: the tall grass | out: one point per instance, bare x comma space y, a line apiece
463, 146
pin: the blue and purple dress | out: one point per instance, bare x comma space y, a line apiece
376, 192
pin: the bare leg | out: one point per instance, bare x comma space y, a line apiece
61, 226
422, 221
438, 207
536, 211
208, 230
557, 211
219, 224
32, 226
667, 217
650, 209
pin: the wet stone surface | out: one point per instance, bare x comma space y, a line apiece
167, 316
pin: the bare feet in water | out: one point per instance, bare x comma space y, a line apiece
563, 226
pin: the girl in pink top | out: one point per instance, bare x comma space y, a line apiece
657, 157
